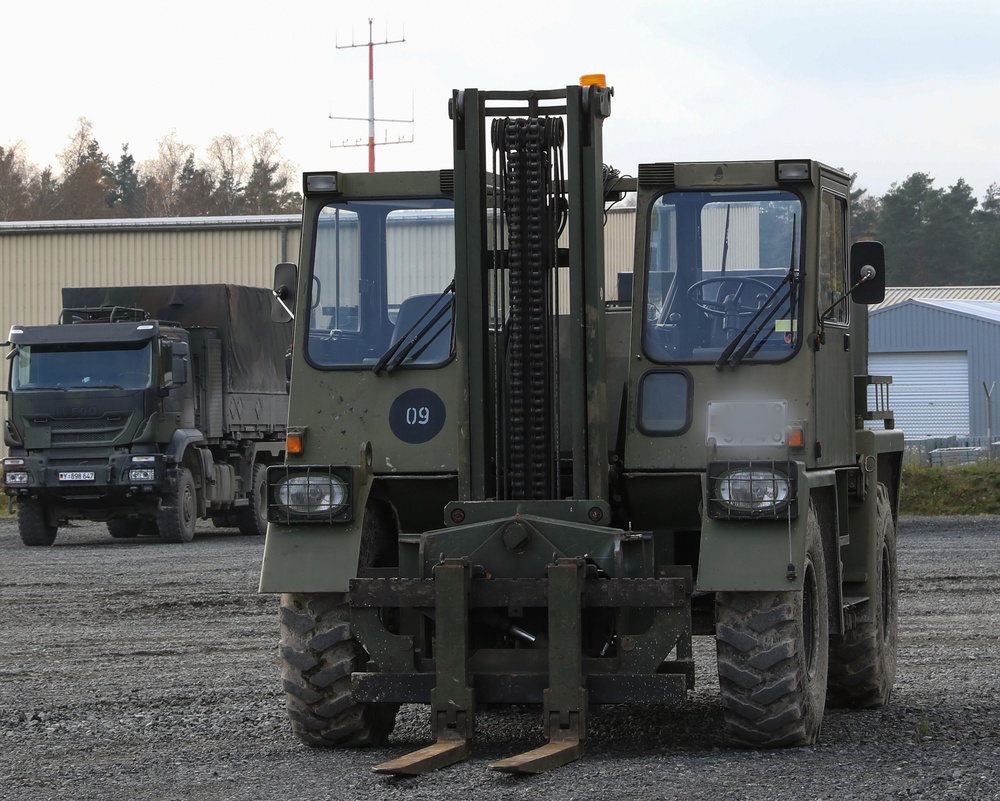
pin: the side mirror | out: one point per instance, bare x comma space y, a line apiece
867, 272
179, 368
173, 358
285, 277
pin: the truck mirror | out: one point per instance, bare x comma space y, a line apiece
178, 367
283, 307
173, 357
868, 272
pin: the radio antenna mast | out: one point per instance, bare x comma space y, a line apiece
371, 101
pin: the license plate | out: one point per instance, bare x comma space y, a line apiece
77, 476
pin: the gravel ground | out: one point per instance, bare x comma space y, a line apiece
137, 670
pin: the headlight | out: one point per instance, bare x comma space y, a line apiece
15, 478
752, 490
144, 474
316, 493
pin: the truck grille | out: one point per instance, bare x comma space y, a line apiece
84, 431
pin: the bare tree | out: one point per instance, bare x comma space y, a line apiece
227, 164
163, 174
266, 149
267, 188
85, 187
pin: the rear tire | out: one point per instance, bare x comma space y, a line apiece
32, 523
773, 657
176, 522
863, 660
252, 518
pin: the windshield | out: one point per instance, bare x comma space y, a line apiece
40, 367
722, 276
381, 275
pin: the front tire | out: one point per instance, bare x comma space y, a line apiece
318, 656
176, 522
773, 657
319, 653
33, 524
863, 660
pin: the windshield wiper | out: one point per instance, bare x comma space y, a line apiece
402, 347
741, 340
730, 353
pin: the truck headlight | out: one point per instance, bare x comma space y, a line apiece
142, 467
309, 493
764, 489
15, 478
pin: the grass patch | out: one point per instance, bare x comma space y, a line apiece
972, 489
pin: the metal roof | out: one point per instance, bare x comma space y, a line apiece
898, 294
981, 309
243, 222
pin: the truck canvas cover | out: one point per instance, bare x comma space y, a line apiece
255, 347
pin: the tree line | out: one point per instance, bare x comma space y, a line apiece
933, 236
235, 176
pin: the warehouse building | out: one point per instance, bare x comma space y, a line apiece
941, 345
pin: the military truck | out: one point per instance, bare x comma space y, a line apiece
148, 407
506, 489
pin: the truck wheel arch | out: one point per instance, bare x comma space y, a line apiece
185, 450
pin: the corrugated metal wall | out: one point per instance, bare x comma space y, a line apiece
37, 259
929, 393
619, 247
912, 327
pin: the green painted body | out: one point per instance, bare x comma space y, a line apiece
90, 394
633, 484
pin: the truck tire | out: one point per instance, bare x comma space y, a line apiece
319, 652
318, 655
773, 657
33, 524
122, 528
252, 518
863, 660
177, 520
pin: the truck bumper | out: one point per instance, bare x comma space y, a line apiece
89, 488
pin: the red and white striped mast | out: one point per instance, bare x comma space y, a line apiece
371, 100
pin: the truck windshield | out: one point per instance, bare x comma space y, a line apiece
65, 366
381, 272
722, 281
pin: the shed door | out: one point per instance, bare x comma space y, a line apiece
929, 392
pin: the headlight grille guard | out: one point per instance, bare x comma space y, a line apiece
762, 489
320, 477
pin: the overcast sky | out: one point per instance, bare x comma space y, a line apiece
883, 88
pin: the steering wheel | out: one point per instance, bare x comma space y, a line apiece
725, 307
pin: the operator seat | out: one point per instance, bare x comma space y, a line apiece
433, 311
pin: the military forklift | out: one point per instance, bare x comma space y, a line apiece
502, 487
